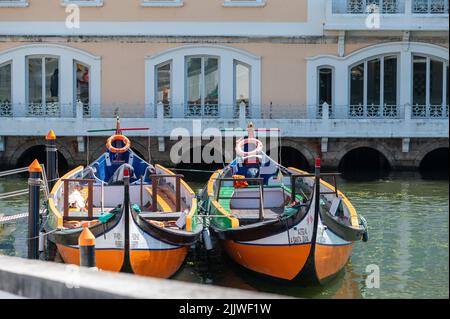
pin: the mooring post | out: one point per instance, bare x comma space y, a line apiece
317, 182
51, 152
34, 187
86, 241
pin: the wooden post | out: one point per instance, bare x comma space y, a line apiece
141, 194
90, 200
34, 187
293, 181
155, 181
66, 198
178, 193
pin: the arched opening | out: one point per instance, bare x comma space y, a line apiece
290, 157
364, 163
435, 164
38, 152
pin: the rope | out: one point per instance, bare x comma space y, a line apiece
190, 170
14, 171
14, 193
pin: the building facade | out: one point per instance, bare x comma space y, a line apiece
380, 68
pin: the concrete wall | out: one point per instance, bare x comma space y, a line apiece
46, 280
310, 148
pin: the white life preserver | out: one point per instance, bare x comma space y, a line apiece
240, 146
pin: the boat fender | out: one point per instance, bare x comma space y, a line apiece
363, 222
207, 239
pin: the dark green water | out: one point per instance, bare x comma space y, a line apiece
408, 219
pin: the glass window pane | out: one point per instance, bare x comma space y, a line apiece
5, 83
357, 85
390, 81
194, 73
326, 86
436, 82
35, 80
419, 80
242, 83
373, 82
163, 84
211, 81
82, 86
51, 80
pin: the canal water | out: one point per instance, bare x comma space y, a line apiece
408, 218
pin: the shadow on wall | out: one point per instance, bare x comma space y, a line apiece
364, 164
435, 165
38, 152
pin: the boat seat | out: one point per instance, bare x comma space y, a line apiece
161, 216
164, 203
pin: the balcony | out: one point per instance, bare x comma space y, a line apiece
357, 121
402, 15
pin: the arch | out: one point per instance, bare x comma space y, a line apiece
364, 163
305, 152
67, 56
350, 146
428, 148
404, 51
38, 152
227, 56
434, 164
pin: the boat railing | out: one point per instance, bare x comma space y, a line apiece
260, 182
294, 178
90, 197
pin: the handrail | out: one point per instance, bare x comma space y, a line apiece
14, 171
90, 199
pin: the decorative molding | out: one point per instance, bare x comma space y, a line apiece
241, 3
83, 3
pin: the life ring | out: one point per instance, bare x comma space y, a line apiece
241, 144
114, 138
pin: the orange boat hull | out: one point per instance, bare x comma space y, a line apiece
283, 262
154, 263
329, 260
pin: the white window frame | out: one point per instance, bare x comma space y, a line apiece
428, 58
404, 51
14, 4
250, 101
83, 3
66, 55
244, 3
227, 56
160, 3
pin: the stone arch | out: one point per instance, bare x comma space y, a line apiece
307, 153
428, 148
350, 146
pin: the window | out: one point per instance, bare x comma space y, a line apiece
82, 86
242, 86
368, 6
84, 3
202, 86
244, 3
373, 88
13, 3
163, 87
43, 86
430, 95
325, 89
162, 3
5, 90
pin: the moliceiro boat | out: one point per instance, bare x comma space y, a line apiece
144, 217
281, 222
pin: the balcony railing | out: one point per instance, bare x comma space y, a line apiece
430, 6
390, 6
368, 6
226, 112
